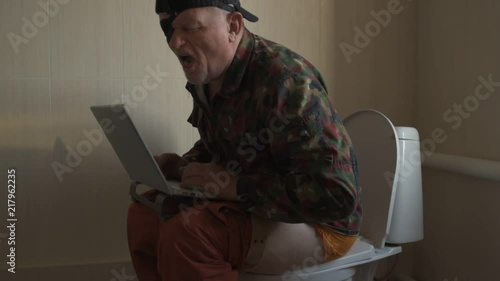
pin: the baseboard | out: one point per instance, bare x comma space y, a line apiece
102, 271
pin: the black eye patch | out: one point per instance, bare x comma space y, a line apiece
166, 26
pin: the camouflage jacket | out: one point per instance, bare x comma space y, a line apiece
273, 125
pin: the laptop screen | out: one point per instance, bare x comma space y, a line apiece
129, 146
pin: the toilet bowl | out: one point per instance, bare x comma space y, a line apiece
390, 179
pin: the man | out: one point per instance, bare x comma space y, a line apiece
273, 158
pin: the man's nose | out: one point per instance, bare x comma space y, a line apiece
176, 40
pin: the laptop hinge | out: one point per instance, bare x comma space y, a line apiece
158, 205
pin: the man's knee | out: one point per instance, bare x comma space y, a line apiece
191, 221
141, 221
200, 230
138, 212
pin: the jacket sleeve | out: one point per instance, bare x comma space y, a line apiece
198, 153
313, 177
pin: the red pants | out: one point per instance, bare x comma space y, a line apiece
206, 242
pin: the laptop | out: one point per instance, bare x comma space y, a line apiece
133, 152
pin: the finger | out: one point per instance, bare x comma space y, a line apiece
191, 182
180, 171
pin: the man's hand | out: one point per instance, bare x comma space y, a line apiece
171, 165
214, 180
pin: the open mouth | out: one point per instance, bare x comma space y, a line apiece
186, 59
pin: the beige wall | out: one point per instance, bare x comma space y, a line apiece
89, 52
457, 43
382, 75
96, 52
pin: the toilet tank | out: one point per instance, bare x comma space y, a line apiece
407, 214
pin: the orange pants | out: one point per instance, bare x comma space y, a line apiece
205, 243
210, 240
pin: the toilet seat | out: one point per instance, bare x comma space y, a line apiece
375, 142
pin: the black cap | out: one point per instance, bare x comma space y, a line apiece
174, 7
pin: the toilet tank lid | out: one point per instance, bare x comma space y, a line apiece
407, 133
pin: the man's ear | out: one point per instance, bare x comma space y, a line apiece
236, 26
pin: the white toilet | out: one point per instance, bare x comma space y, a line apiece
391, 182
